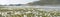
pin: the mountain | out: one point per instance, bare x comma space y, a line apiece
15, 4
34, 3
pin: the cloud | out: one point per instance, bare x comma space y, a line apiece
15, 1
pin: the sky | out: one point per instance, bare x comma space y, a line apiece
15, 1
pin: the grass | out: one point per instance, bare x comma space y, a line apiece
34, 12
